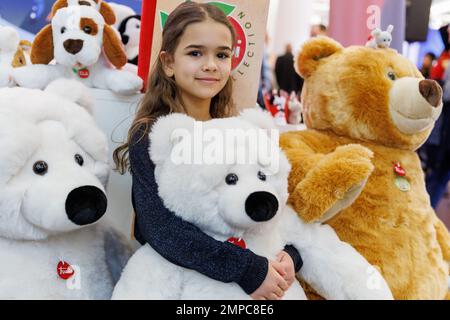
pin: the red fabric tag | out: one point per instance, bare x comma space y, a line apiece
238, 242
398, 169
64, 270
83, 73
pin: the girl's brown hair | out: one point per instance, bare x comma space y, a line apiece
160, 98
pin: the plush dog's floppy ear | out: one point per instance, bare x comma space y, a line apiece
58, 5
313, 52
113, 48
42, 51
108, 13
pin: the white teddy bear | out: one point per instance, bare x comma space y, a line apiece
53, 172
236, 199
12, 55
381, 39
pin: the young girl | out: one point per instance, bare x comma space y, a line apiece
192, 76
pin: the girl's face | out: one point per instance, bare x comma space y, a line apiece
201, 64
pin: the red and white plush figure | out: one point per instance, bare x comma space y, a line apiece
12, 54
83, 47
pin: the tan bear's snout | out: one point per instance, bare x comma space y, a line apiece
431, 91
415, 104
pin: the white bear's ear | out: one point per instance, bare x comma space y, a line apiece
259, 118
9, 39
73, 91
169, 131
313, 53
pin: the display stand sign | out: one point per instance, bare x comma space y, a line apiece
249, 18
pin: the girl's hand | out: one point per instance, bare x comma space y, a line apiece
286, 267
274, 285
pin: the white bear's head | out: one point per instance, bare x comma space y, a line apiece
53, 162
227, 176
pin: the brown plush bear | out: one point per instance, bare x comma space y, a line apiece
368, 111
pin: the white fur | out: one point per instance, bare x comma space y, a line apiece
198, 193
35, 231
9, 42
121, 11
381, 39
102, 74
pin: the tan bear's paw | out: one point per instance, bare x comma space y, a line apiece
334, 184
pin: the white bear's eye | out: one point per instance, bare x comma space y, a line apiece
392, 76
262, 176
232, 179
40, 168
79, 159
63, 29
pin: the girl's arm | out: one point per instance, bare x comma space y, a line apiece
181, 242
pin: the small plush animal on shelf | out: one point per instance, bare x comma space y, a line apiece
381, 39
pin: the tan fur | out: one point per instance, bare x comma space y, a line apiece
347, 98
42, 49
19, 59
113, 48
107, 13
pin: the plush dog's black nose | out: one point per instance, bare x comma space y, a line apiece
261, 206
86, 205
73, 46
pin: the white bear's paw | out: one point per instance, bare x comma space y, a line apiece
125, 83
368, 286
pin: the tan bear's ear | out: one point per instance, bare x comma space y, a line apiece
108, 13
113, 48
58, 5
42, 49
313, 52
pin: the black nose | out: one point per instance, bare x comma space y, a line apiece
261, 206
86, 205
73, 46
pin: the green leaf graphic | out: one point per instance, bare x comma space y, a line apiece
164, 16
225, 7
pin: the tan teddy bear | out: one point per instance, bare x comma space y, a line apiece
368, 111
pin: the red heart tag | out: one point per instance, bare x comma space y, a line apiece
238, 242
398, 169
65, 270
83, 73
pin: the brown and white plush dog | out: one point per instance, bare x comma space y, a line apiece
12, 54
75, 40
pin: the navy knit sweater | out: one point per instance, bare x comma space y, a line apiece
181, 242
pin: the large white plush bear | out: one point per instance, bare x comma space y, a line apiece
229, 197
53, 172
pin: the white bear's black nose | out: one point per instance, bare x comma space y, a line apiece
261, 206
73, 46
86, 205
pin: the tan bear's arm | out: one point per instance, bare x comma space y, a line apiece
320, 184
443, 237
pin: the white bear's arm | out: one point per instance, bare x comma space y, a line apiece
37, 76
333, 268
117, 252
119, 81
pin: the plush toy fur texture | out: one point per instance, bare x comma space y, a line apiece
367, 109
36, 231
12, 54
78, 46
198, 193
104, 8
